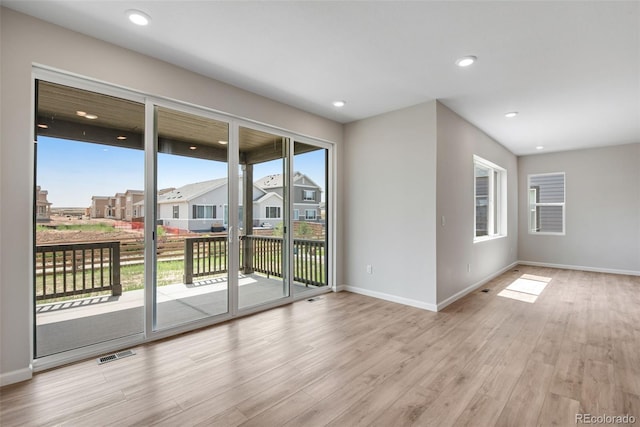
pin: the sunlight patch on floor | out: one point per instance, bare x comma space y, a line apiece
526, 288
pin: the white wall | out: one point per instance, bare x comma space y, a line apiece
25, 41
389, 183
602, 210
458, 141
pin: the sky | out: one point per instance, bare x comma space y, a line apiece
72, 172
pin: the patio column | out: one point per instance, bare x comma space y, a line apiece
247, 219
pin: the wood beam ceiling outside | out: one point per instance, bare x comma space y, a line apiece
177, 131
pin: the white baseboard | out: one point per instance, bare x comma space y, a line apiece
16, 376
473, 287
421, 304
581, 268
388, 297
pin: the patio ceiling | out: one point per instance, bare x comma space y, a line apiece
67, 113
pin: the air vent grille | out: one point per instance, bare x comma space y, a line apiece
115, 356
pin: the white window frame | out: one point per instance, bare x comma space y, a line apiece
315, 214
306, 197
194, 209
296, 214
497, 203
531, 204
278, 211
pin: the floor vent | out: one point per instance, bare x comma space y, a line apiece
485, 290
115, 356
314, 299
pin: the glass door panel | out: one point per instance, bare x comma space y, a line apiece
192, 254
263, 196
309, 218
89, 224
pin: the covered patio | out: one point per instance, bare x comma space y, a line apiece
86, 321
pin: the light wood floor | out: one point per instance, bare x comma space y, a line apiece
349, 360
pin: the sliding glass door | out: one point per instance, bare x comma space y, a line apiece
263, 228
153, 217
309, 217
192, 198
89, 227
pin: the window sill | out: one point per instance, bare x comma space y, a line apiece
488, 238
547, 233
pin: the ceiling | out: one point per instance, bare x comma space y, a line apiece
570, 69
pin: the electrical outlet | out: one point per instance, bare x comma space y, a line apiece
369, 269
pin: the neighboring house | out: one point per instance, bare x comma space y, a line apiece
122, 206
138, 210
267, 210
138, 207
203, 206
43, 206
99, 206
131, 209
307, 195
115, 207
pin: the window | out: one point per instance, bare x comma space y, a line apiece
176, 212
490, 192
273, 212
204, 211
309, 195
310, 213
296, 214
546, 203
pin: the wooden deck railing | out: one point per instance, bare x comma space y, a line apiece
63, 270
308, 262
204, 256
208, 255
78, 268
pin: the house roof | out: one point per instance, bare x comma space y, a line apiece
267, 196
191, 191
270, 181
275, 181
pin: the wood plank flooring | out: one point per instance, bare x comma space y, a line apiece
351, 360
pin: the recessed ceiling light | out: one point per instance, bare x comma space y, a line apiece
465, 61
339, 104
121, 137
81, 113
43, 126
193, 147
138, 17
90, 116
511, 114
221, 142
540, 147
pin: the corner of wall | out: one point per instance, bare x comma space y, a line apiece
462, 264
